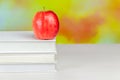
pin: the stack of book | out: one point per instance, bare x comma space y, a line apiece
20, 51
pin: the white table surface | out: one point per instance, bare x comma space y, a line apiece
79, 62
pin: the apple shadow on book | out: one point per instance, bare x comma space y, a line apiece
29, 35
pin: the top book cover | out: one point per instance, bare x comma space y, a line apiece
20, 36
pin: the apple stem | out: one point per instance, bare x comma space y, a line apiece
43, 8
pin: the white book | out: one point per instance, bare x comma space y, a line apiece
27, 58
24, 42
28, 68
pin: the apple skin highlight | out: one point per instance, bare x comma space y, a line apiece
45, 25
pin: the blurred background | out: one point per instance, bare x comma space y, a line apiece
81, 21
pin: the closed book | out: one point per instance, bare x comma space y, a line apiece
27, 58
24, 42
28, 68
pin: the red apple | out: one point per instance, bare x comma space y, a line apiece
45, 25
